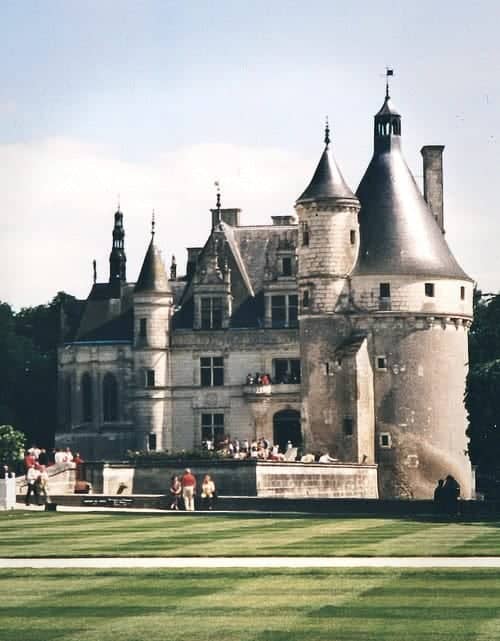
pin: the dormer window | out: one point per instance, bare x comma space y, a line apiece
211, 312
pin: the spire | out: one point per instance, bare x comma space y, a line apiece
327, 181
153, 224
117, 257
216, 215
387, 126
152, 278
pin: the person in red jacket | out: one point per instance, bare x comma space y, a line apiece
188, 482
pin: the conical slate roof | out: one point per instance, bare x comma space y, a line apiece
327, 181
152, 277
398, 233
388, 109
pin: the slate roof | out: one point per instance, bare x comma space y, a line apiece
327, 181
152, 277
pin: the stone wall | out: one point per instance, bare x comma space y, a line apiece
241, 478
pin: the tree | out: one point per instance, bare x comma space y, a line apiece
482, 398
12, 445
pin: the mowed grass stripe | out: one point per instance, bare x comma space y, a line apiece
249, 605
66, 535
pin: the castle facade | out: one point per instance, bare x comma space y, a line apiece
355, 307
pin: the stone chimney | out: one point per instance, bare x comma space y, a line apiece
228, 216
433, 180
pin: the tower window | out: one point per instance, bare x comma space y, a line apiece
211, 312
348, 425
429, 290
150, 378
384, 440
212, 371
381, 362
385, 290
305, 234
151, 441
352, 236
462, 293
305, 298
286, 266
143, 327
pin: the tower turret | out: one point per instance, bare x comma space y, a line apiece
153, 308
414, 302
117, 257
327, 250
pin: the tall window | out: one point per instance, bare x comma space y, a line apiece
286, 266
212, 371
385, 290
305, 298
67, 401
212, 427
151, 441
284, 310
429, 289
109, 397
286, 370
150, 378
143, 327
305, 234
86, 398
211, 313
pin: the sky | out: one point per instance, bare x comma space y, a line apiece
150, 102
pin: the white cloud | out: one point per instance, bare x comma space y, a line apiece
58, 196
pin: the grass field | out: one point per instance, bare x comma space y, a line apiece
39, 534
250, 605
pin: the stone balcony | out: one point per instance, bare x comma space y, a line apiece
252, 392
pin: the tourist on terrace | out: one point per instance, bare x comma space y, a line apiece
42, 483
175, 492
208, 492
188, 482
31, 477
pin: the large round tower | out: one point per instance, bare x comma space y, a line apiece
414, 302
153, 306
327, 250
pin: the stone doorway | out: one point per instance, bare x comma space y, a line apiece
286, 427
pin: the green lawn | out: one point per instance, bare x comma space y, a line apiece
250, 605
39, 534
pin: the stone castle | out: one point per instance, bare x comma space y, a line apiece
355, 307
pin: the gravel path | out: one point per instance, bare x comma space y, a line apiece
256, 562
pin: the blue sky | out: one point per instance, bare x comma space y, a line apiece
156, 100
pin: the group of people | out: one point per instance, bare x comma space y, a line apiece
183, 492
446, 495
260, 448
36, 462
265, 379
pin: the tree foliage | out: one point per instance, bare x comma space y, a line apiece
482, 398
12, 445
28, 368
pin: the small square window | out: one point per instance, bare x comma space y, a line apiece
352, 236
385, 440
462, 293
412, 460
429, 289
381, 362
385, 290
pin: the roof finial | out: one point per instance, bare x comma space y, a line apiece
118, 206
153, 224
327, 133
217, 186
388, 72
94, 267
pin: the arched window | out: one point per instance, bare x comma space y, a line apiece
110, 397
86, 398
67, 402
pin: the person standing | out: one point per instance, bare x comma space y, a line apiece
208, 492
42, 483
175, 492
188, 483
31, 480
